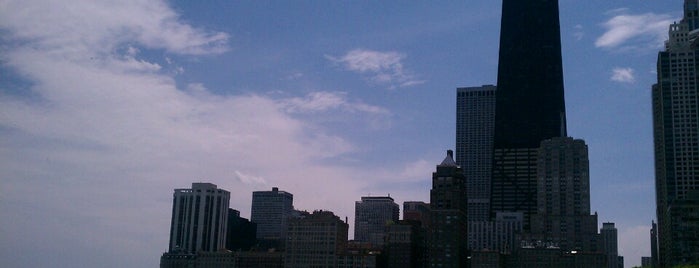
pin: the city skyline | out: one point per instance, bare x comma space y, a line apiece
104, 108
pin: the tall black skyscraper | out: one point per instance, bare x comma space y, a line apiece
530, 104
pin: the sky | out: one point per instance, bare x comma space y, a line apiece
106, 107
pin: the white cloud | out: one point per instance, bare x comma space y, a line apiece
249, 179
623, 75
633, 32
383, 67
322, 101
86, 28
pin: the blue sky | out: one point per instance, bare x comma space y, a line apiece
107, 106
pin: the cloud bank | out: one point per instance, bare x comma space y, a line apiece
96, 136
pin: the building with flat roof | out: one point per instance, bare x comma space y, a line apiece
610, 245
475, 119
199, 219
271, 211
315, 240
371, 217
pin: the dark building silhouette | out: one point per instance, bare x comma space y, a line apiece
417, 211
610, 244
271, 211
405, 245
563, 197
315, 240
448, 229
371, 217
241, 235
530, 103
676, 142
654, 245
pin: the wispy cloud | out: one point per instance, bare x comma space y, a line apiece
578, 32
322, 101
382, 67
633, 32
623, 75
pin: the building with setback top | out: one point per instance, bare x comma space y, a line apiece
676, 142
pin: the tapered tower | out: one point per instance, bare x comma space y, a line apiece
530, 103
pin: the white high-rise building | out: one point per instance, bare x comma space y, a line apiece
475, 122
199, 219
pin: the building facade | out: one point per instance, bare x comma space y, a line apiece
529, 97
563, 197
448, 202
271, 211
241, 234
372, 215
405, 245
610, 245
417, 211
315, 240
199, 219
676, 141
498, 235
475, 119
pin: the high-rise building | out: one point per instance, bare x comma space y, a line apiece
475, 119
199, 219
371, 217
676, 141
271, 211
241, 234
315, 240
530, 103
405, 245
417, 211
563, 197
448, 227
498, 235
610, 244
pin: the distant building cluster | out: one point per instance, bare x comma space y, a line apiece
517, 194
